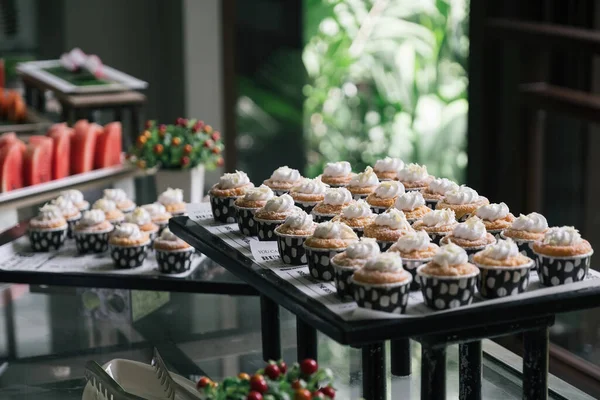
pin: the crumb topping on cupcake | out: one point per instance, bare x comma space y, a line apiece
357, 253
277, 208
169, 241
283, 178
357, 214
449, 260
93, 221
387, 168
527, 227
438, 187
49, 217
414, 176
297, 224
385, 194
109, 207
231, 185
437, 221
412, 204
384, 269
67, 207
309, 190
255, 197
463, 200
471, 233
158, 212
564, 241
76, 197
389, 226
331, 235
141, 218
495, 216
503, 253
415, 246
128, 234
337, 173
333, 201
119, 197
364, 182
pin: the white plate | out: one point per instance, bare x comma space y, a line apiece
137, 378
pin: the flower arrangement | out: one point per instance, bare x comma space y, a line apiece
185, 144
303, 381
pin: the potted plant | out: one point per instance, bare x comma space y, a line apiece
180, 152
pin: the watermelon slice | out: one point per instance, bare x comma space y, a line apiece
38, 160
7, 138
11, 167
61, 157
83, 146
108, 146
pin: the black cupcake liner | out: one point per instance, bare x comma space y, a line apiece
291, 249
318, 218
280, 192
306, 206
266, 229
125, 257
391, 298
71, 222
223, 209
411, 266
246, 222
379, 210
441, 293
92, 242
431, 203
174, 262
360, 196
319, 262
464, 217
494, 282
415, 189
554, 271
342, 277
47, 239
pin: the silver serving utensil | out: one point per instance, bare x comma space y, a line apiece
105, 386
166, 380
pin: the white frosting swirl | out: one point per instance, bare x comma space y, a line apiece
286, 174
139, 216
450, 254
233, 180
337, 196
412, 173
437, 218
393, 218
409, 201
92, 217
171, 196
155, 209
64, 204
310, 186
532, 222
169, 236
279, 204
389, 189
128, 230
340, 168
366, 178
471, 229
116, 195
462, 195
334, 230
501, 250
562, 236
492, 212
299, 221
261, 193
411, 241
50, 212
357, 209
385, 262
364, 249
389, 164
442, 185
105, 205
74, 195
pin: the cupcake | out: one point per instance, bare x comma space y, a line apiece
48, 230
173, 255
495, 217
247, 205
449, 280
385, 195
464, 201
328, 239
92, 231
308, 193
562, 256
69, 210
172, 199
437, 224
337, 174
273, 214
283, 179
504, 271
356, 215
120, 198
382, 284
388, 228
334, 200
436, 191
291, 236
414, 177
113, 215
142, 218
363, 184
525, 230
224, 193
76, 198
128, 245
159, 215
412, 205
346, 263
387, 168
470, 235
416, 249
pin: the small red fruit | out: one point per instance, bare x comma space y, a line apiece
243, 376
296, 384
176, 141
198, 126
258, 383
185, 160
187, 149
272, 371
181, 121
328, 391
302, 394
203, 382
220, 162
216, 136
216, 150
254, 396
282, 365
309, 366
158, 148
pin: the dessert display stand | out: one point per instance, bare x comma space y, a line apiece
317, 307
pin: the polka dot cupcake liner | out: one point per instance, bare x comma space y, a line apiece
175, 261
444, 292
384, 246
280, 192
246, 222
391, 298
291, 249
92, 242
343, 280
47, 239
411, 266
266, 229
319, 262
125, 257
318, 218
71, 222
554, 271
223, 209
379, 210
306, 206
431, 203
497, 281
